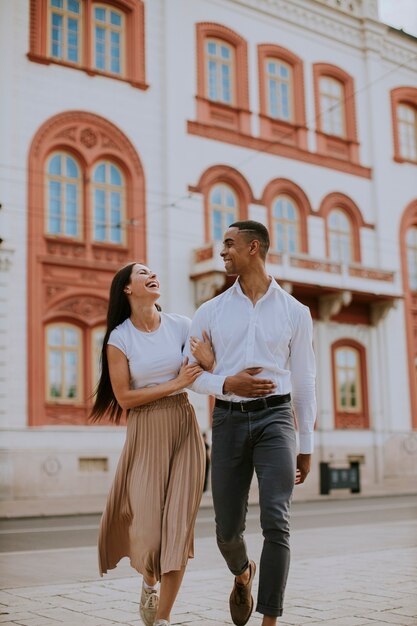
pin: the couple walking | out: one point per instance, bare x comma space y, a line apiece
250, 347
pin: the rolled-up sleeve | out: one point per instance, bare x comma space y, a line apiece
303, 378
206, 383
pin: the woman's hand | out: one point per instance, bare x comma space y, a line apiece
188, 373
202, 350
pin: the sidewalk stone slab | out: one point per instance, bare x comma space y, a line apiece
374, 584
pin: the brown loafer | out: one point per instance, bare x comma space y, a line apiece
241, 601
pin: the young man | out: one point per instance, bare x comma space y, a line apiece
265, 369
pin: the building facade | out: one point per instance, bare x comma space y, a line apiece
138, 130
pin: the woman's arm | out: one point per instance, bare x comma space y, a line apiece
130, 398
203, 352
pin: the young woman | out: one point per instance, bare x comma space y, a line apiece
153, 502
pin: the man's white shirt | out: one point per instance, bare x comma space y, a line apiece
276, 334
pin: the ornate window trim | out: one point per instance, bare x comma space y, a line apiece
68, 280
408, 220
283, 186
231, 177
401, 95
338, 148
340, 201
134, 13
294, 132
236, 116
349, 419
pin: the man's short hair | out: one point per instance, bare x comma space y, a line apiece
254, 230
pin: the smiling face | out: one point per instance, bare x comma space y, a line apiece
236, 251
143, 283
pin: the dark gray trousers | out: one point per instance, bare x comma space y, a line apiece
263, 441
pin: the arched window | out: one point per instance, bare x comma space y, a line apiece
411, 243
65, 29
108, 203
279, 85
64, 363
332, 109
339, 230
281, 96
223, 206
407, 131
350, 384
334, 94
222, 78
404, 123
220, 71
108, 39
63, 196
97, 336
348, 381
285, 225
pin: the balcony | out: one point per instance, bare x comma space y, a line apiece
342, 292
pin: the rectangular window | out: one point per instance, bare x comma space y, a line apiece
108, 40
332, 108
65, 25
279, 88
219, 64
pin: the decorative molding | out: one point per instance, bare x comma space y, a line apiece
68, 279
332, 304
227, 135
206, 286
380, 310
83, 307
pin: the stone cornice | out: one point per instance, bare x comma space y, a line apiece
357, 27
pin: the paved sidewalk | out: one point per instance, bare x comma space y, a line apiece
345, 576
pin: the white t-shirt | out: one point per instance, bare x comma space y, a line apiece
154, 357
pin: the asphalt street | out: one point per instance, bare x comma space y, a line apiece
46, 533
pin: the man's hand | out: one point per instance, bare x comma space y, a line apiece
303, 468
246, 385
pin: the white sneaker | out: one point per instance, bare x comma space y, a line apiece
161, 622
149, 601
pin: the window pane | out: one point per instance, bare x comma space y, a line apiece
56, 36
226, 83
211, 47
100, 48
225, 52
212, 80
57, 3
72, 40
72, 169
216, 196
55, 165
55, 374
115, 18
230, 199
54, 336
115, 176
100, 174
74, 6
70, 375
100, 14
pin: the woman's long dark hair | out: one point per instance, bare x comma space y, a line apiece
118, 311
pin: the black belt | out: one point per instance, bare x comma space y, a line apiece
254, 405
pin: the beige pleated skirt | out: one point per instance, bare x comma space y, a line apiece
153, 502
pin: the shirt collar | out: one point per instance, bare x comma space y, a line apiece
272, 285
